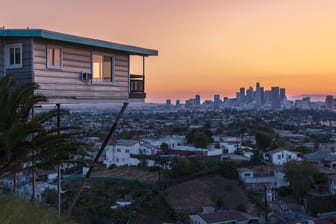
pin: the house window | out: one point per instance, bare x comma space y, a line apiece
103, 68
279, 156
14, 56
54, 57
127, 151
118, 150
289, 157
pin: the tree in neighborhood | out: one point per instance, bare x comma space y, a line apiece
199, 137
263, 140
164, 146
300, 176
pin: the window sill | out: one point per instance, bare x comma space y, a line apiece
14, 66
102, 83
54, 67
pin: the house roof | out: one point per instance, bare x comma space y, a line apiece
280, 150
225, 216
51, 35
320, 155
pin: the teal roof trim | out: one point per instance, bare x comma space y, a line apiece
40, 33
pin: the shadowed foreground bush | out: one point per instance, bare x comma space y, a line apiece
18, 211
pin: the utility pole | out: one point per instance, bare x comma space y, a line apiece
59, 162
266, 206
94, 162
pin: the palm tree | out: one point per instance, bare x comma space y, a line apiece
24, 139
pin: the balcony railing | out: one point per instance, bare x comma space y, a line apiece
137, 86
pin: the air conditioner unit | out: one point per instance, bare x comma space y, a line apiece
85, 76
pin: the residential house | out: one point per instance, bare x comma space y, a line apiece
280, 156
256, 178
72, 69
120, 152
223, 217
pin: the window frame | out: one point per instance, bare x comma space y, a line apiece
7, 55
51, 66
113, 59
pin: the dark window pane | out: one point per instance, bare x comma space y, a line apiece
11, 56
17, 56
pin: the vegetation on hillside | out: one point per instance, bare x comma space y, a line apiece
17, 211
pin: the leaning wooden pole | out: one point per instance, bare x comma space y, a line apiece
87, 176
33, 164
58, 106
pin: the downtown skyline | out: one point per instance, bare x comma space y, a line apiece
205, 48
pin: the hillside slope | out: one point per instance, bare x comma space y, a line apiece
14, 211
215, 191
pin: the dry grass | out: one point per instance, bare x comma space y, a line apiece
128, 173
13, 210
189, 197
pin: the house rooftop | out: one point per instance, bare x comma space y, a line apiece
51, 35
225, 216
320, 155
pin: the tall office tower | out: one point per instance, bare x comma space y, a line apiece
217, 100
275, 98
241, 97
282, 94
262, 95
257, 95
178, 103
268, 97
197, 100
249, 95
257, 86
329, 101
225, 99
168, 102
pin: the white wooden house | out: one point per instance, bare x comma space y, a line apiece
72, 69
124, 152
280, 156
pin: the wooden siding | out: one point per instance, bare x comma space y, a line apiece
64, 85
24, 74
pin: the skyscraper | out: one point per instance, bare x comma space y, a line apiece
217, 100
275, 98
197, 100
329, 101
241, 98
282, 94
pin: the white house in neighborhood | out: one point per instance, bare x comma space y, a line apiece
253, 179
280, 156
119, 152
172, 141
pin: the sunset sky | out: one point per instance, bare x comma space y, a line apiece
205, 47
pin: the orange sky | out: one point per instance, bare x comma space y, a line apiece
205, 47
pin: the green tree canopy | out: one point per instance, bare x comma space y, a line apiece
300, 176
263, 140
199, 137
24, 137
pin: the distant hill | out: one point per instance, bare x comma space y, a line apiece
13, 210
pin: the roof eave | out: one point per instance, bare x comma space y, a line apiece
40, 33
